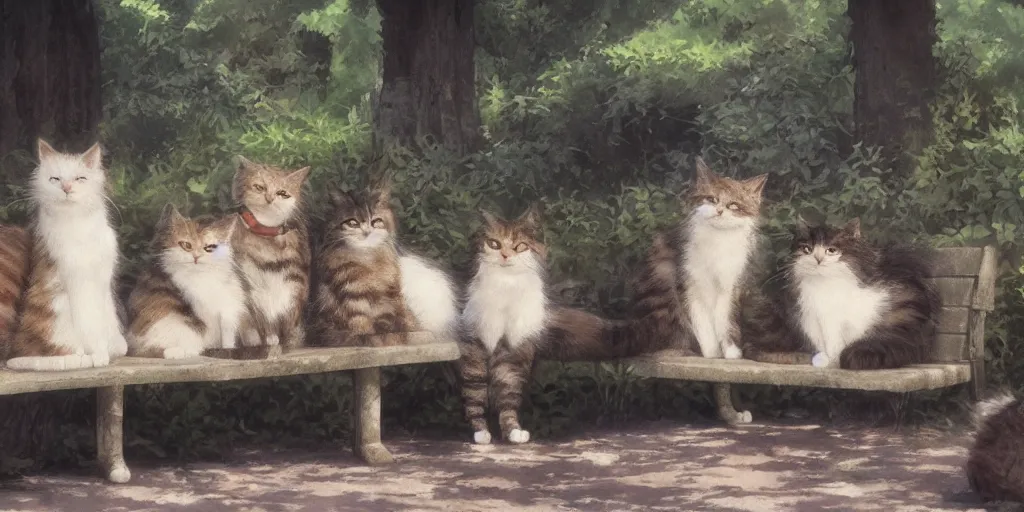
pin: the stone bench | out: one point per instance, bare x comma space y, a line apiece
126, 371
966, 280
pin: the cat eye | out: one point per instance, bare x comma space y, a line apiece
711, 199
522, 247
210, 248
806, 249
377, 223
283, 194
831, 251
80, 179
185, 245
734, 206
352, 223
493, 244
54, 179
259, 188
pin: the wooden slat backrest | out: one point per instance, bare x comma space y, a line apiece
965, 280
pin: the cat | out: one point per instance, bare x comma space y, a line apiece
272, 249
854, 305
995, 463
697, 274
69, 316
359, 298
508, 322
15, 243
191, 298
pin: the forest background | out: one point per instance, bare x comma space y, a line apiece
596, 107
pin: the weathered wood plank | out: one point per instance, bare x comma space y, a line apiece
953, 320
136, 370
955, 291
977, 353
950, 348
742, 371
958, 261
985, 295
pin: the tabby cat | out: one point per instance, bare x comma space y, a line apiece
697, 274
14, 252
359, 297
508, 322
995, 463
272, 249
69, 316
191, 297
853, 304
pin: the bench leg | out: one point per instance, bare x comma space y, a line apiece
110, 433
726, 410
366, 416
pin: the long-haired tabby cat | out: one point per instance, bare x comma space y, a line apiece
856, 305
508, 323
995, 464
697, 273
272, 249
69, 316
191, 296
14, 265
358, 298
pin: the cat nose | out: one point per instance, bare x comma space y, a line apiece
719, 210
819, 258
66, 187
195, 259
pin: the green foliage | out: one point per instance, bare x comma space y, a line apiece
600, 118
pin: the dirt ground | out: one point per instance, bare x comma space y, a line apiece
663, 466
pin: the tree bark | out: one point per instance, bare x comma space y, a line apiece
428, 92
895, 72
49, 74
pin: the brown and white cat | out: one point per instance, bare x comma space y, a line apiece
15, 244
358, 297
69, 316
698, 272
508, 322
995, 463
853, 304
272, 249
191, 298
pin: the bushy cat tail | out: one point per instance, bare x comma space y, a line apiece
576, 335
333, 337
56, 363
883, 351
995, 462
986, 409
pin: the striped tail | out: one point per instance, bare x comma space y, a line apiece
575, 335
56, 363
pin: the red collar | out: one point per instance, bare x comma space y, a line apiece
259, 229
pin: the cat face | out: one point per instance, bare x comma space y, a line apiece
69, 180
513, 245
362, 221
827, 251
725, 203
194, 243
271, 194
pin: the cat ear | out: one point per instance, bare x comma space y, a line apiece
299, 176
44, 150
383, 194
756, 184
490, 219
704, 173
852, 228
171, 217
340, 199
531, 217
802, 229
244, 164
93, 157
228, 226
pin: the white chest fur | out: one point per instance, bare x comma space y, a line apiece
271, 292
837, 310
715, 261
504, 303
216, 295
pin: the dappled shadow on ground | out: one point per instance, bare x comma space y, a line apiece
658, 467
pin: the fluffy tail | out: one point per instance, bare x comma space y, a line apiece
993, 406
995, 463
56, 363
575, 335
327, 336
881, 352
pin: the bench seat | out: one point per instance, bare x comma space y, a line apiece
743, 371
110, 381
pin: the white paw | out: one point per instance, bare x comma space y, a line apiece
119, 475
820, 360
482, 437
273, 340
227, 342
745, 417
179, 353
118, 345
733, 352
98, 360
518, 436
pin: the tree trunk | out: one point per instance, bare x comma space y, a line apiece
892, 44
49, 74
428, 92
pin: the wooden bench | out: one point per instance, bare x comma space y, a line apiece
966, 280
110, 382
